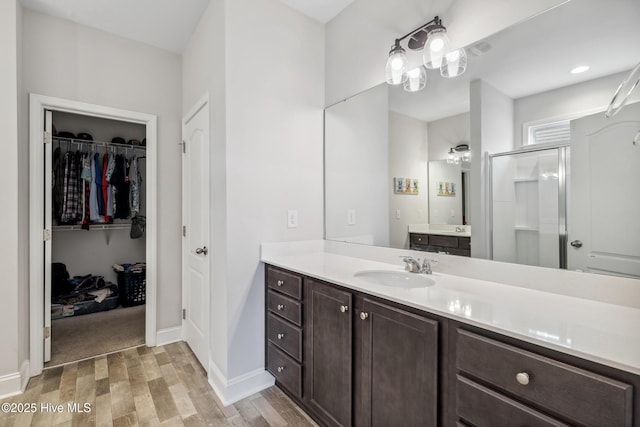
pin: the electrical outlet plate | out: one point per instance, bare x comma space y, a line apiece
292, 218
351, 217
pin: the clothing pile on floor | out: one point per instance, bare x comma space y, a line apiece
80, 294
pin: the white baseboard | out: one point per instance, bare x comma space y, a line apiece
24, 375
235, 389
169, 335
10, 385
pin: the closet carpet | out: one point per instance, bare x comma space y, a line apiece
89, 335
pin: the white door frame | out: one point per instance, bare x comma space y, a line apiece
37, 106
202, 102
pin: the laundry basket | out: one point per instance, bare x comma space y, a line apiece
132, 286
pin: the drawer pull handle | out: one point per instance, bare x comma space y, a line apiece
280, 368
280, 307
344, 308
280, 282
522, 378
364, 315
280, 336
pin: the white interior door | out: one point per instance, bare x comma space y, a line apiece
195, 213
48, 201
605, 202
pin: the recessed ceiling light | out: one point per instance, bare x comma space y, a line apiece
580, 69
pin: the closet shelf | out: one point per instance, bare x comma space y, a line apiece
98, 143
92, 227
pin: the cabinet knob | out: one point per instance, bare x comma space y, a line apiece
364, 315
280, 307
280, 282
522, 378
280, 336
344, 308
280, 368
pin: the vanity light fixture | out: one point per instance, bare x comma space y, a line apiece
459, 153
432, 39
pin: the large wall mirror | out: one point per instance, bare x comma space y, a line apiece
396, 164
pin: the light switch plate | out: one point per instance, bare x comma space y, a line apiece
292, 218
397, 213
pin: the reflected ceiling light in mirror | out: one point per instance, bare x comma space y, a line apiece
580, 69
416, 79
396, 69
459, 153
432, 39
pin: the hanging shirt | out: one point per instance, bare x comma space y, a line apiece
93, 193
135, 180
71, 193
105, 188
98, 181
110, 196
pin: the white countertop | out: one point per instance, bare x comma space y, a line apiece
597, 331
441, 229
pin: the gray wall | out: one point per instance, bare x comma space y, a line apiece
266, 140
71, 61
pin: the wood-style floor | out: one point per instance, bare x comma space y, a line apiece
143, 386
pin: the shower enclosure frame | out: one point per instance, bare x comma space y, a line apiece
563, 159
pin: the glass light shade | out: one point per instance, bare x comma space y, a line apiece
416, 79
466, 156
454, 63
396, 69
436, 46
451, 157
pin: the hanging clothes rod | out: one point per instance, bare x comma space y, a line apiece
83, 142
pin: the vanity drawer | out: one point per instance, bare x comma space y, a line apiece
286, 371
285, 282
464, 242
420, 239
444, 241
483, 407
576, 394
285, 307
285, 336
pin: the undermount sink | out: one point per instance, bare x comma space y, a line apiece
396, 279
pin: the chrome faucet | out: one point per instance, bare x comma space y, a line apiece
413, 265
459, 229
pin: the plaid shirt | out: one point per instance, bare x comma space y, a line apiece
71, 204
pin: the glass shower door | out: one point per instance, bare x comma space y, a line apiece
528, 207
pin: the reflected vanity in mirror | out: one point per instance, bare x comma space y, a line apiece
522, 95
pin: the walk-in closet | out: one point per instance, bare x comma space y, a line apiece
98, 259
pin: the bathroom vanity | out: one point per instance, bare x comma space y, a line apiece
443, 350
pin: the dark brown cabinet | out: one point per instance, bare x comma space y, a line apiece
284, 335
453, 245
563, 391
328, 349
398, 367
348, 358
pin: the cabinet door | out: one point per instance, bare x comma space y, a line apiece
398, 367
328, 338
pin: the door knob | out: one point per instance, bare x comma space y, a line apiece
344, 308
364, 315
576, 244
202, 251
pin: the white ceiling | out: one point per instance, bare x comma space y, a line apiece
537, 55
167, 24
320, 10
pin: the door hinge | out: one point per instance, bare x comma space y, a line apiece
184, 314
46, 234
47, 332
184, 146
46, 137
184, 231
